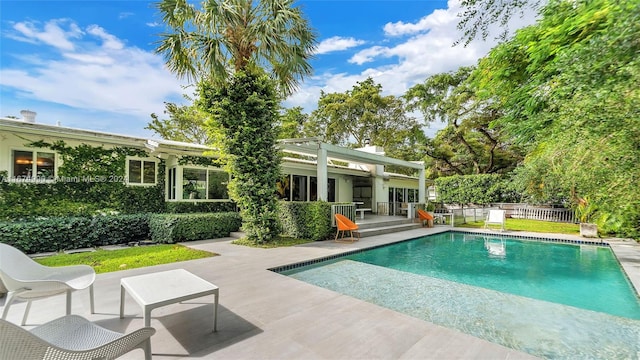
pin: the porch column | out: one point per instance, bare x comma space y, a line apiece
421, 186
321, 170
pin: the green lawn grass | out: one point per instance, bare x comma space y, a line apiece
532, 225
130, 258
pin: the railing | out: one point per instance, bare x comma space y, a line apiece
545, 214
461, 216
473, 214
348, 210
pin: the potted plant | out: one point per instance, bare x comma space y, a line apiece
585, 213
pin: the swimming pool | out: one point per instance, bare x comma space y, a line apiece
548, 299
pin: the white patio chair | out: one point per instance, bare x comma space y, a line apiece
495, 217
26, 279
70, 337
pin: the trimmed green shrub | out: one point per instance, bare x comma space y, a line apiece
172, 228
305, 220
200, 207
119, 229
67, 233
55, 234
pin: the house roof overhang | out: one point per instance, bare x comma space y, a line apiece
303, 146
170, 147
18, 126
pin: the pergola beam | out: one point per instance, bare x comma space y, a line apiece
323, 152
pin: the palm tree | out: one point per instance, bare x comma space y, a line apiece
227, 36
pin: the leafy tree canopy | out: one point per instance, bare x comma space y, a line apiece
569, 89
227, 46
186, 123
292, 122
468, 144
363, 114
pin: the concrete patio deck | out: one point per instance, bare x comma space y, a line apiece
265, 315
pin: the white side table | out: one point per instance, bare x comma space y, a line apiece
158, 289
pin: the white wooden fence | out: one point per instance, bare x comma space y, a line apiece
515, 211
546, 214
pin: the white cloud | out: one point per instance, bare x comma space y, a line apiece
337, 43
108, 41
93, 71
153, 24
428, 50
53, 33
368, 55
437, 18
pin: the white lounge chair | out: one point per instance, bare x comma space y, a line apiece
495, 217
70, 337
26, 279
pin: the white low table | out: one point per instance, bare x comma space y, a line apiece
163, 288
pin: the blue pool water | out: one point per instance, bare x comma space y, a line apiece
551, 300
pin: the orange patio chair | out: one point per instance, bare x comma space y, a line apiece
425, 216
344, 224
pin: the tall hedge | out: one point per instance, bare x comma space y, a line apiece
30, 201
479, 189
245, 110
305, 220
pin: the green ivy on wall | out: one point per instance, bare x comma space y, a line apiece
90, 161
89, 180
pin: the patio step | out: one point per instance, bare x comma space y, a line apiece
387, 229
369, 229
383, 223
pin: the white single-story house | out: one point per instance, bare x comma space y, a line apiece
313, 170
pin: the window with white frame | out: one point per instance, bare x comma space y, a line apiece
204, 184
142, 171
33, 165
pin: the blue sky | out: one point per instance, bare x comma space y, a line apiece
90, 64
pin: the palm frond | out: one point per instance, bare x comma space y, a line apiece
227, 35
